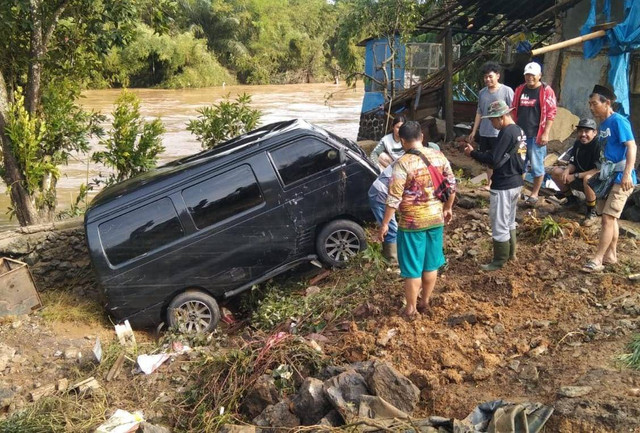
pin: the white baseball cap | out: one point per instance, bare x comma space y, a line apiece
533, 68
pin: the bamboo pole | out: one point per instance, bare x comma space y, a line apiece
568, 42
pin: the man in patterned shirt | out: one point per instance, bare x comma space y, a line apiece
421, 217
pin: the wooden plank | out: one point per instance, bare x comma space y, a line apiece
18, 294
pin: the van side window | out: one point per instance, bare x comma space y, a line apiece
223, 196
303, 158
140, 231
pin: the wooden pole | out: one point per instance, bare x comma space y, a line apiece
568, 42
448, 82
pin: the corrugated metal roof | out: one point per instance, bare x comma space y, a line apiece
498, 18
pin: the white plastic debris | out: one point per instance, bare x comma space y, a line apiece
121, 422
149, 363
97, 350
125, 334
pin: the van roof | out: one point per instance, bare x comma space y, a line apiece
245, 141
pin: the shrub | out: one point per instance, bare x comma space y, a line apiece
224, 120
133, 145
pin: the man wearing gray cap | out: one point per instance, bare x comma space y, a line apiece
584, 155
534, 104
506, 160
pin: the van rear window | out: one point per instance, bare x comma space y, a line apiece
140, 231
222, 196
304, 158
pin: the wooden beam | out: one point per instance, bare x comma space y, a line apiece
568, 42
448, 83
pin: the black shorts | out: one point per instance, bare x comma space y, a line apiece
486, 143
577, 184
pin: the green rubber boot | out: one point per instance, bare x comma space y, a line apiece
500, 256
513, 245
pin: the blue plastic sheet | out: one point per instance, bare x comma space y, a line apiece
622, 39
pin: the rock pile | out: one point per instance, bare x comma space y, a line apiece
371, 389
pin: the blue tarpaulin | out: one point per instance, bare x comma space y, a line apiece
622, 39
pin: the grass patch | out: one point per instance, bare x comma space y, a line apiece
632, 359
65, 306
314, 311
71, 413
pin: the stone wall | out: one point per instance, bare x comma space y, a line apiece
56, 253
372, 125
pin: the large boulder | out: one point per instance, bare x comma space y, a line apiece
310, 403
263, 394
277, 415
344, 391
386, 382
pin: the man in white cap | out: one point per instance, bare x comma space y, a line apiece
534, 104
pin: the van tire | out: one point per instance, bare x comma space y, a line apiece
339, 241
193, 312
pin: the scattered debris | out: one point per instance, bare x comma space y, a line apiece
115, 369
121, 422
97, 350
149, 363
18, 294
125, 334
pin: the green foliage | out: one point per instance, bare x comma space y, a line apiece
632, 359
27, 133
170, 61
315, 311
79, 205
69, 127
267, 41
225, 120
133, 145
549, 228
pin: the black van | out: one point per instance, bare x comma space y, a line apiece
170, 243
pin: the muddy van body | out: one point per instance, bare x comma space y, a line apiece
172, 243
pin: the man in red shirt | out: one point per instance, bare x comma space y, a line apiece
534, 104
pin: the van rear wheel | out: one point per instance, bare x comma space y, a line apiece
339, 241
193, 312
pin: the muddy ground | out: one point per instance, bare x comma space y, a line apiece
522, 333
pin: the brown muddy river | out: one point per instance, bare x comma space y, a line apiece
330, 106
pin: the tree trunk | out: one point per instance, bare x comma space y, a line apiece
25, 210
37, 51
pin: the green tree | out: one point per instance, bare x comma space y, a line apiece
44, 42
225, 120
171, 61
374, 18
133, 145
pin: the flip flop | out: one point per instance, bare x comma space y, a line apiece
591, 267
531, 201
423, 309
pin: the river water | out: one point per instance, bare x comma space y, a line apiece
334, 107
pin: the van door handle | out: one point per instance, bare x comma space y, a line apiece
337, 167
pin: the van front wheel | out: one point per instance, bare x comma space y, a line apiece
193, 312
339, 241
